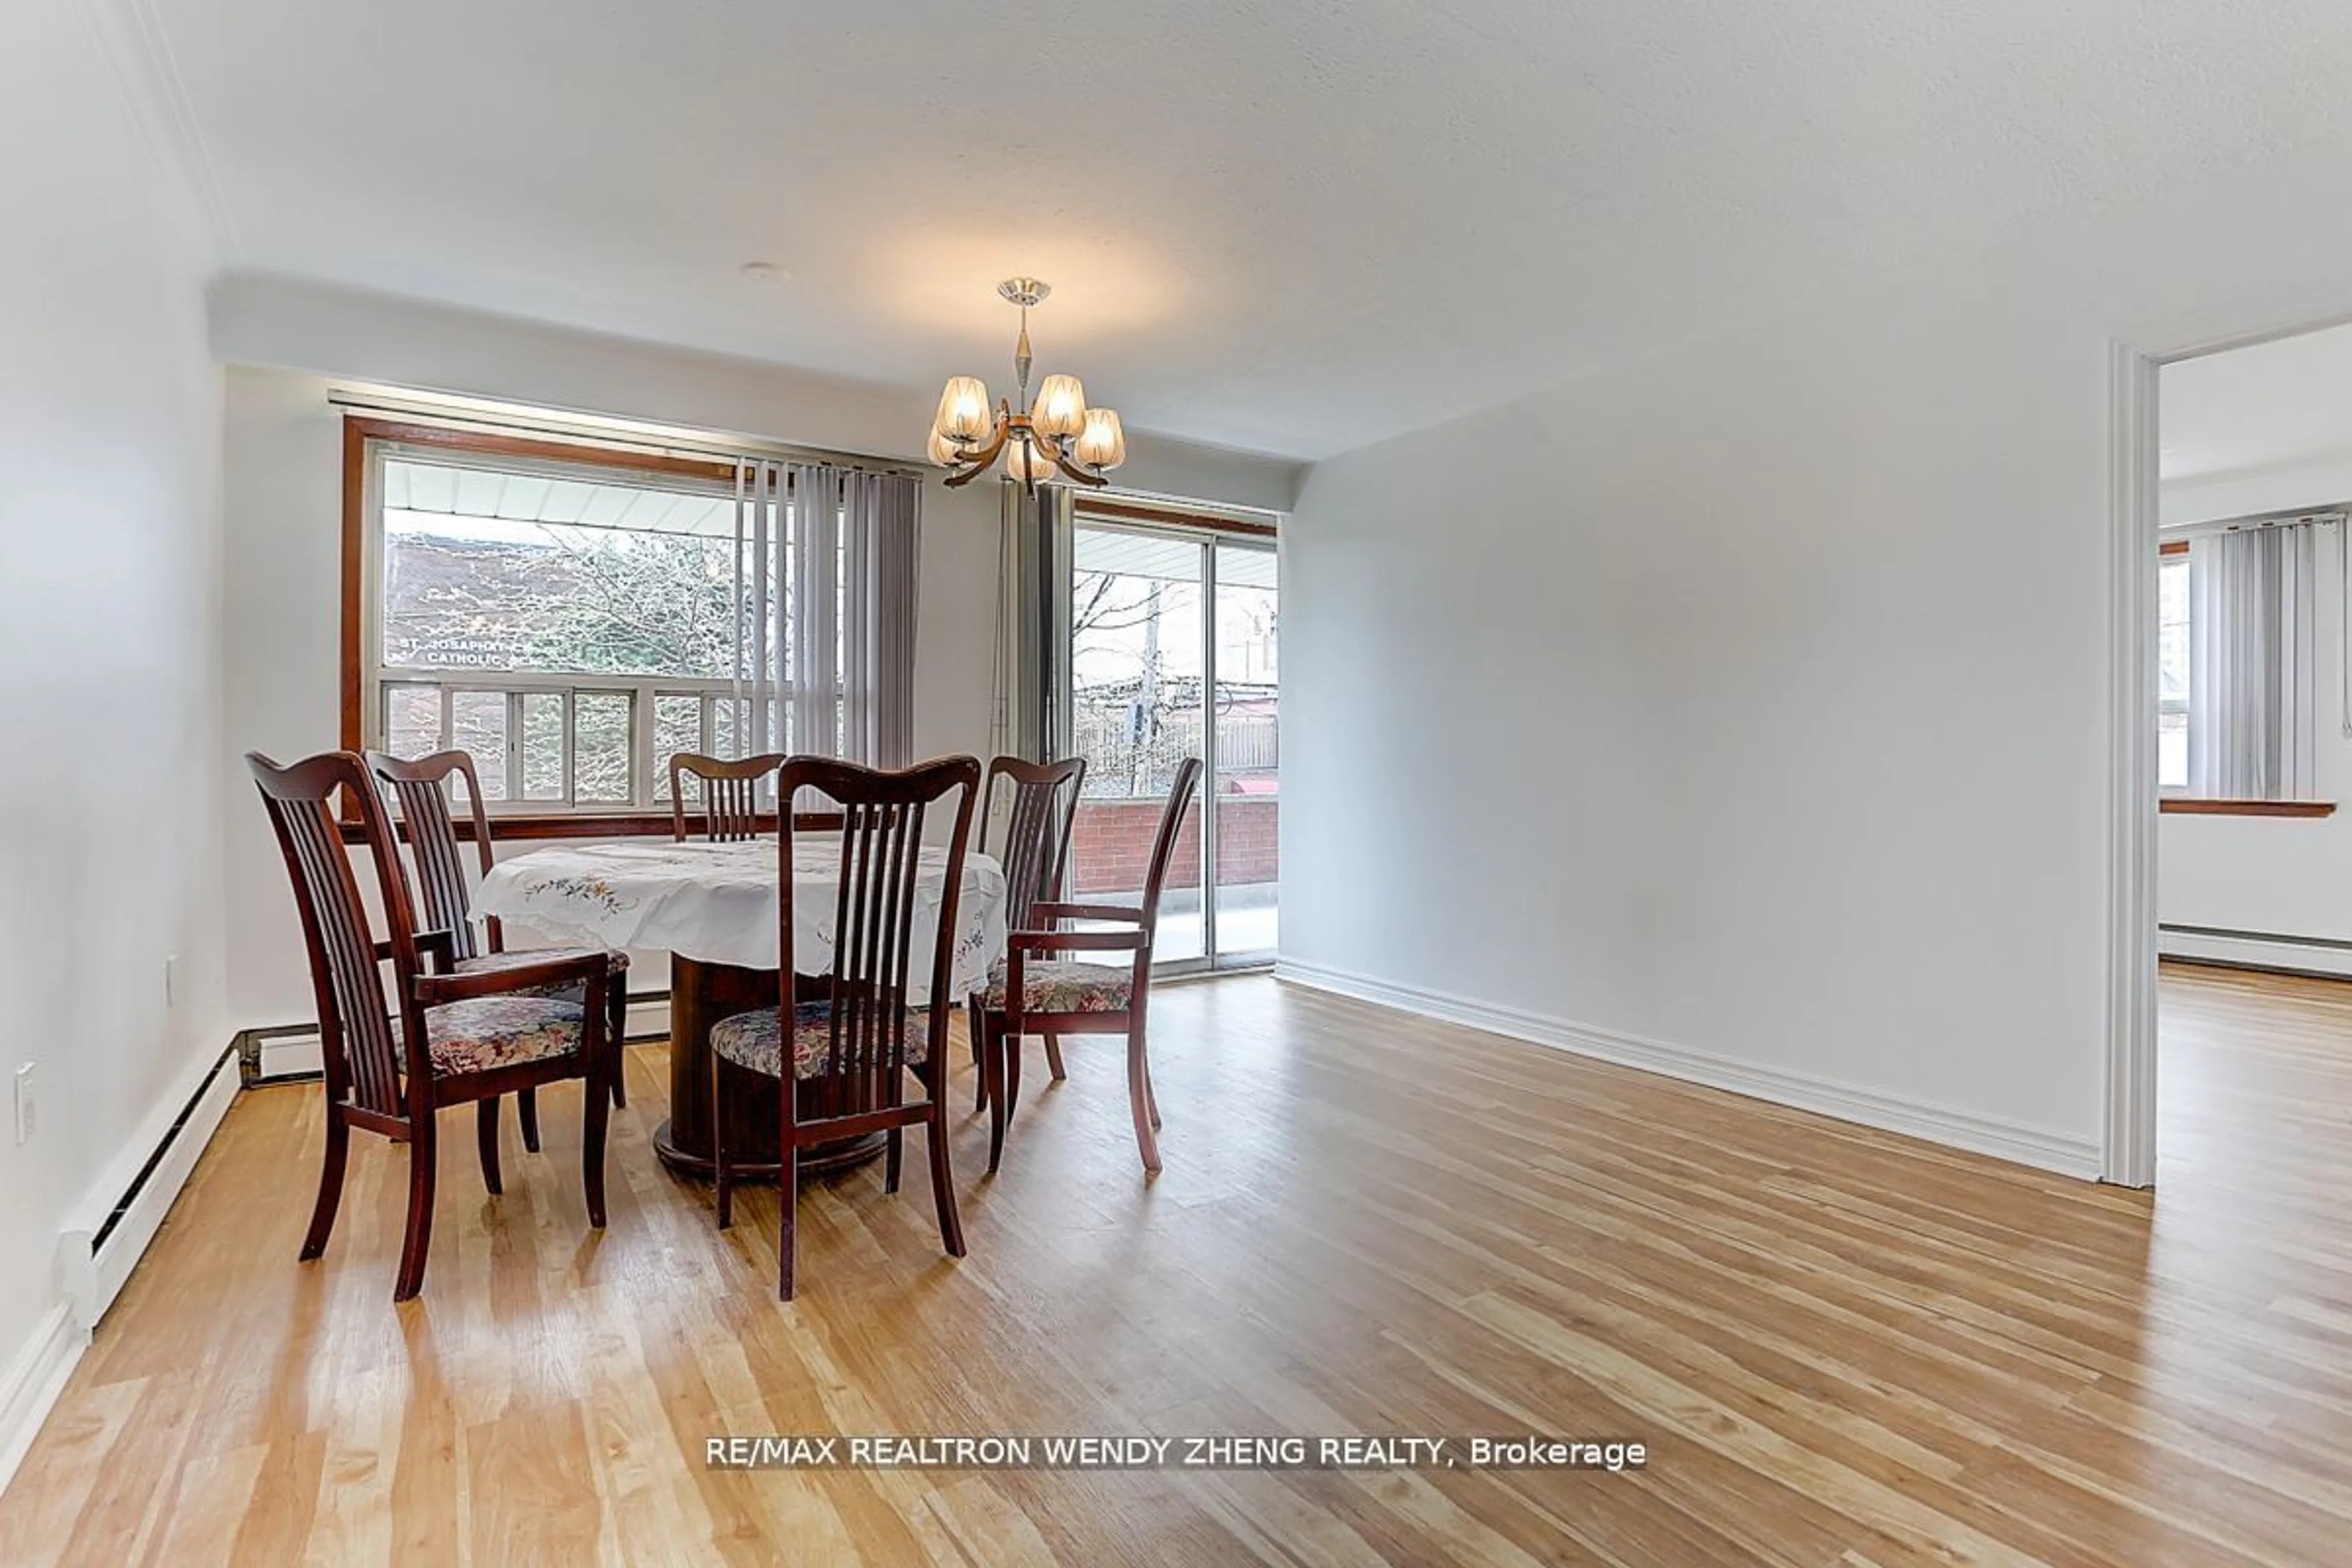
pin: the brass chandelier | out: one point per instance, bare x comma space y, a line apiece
1060, 436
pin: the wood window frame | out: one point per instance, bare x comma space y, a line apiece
2199, 806
358, 429
1114, 510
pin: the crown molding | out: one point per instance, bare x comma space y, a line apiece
138, 50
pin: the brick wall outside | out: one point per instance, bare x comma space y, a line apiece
1110, 845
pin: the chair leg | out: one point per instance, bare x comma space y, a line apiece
1139, 1096
994, 1071
596, 1099
787, 1192
423, 1159
935, 1140
1151, 1096
1053, 1057
723, 1171
527, 1112
330, 1183
486, 1134
619, 1027
897, 1136
1012, 1054
975, 1024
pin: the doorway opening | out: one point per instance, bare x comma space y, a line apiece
2243, 482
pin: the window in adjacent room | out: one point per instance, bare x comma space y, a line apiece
2172, 669
2238, 662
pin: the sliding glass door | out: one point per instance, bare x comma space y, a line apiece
1172, 655
1245, 778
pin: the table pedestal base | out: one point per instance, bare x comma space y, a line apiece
699, 995
821, 1160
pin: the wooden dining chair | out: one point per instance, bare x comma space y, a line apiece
852, 1050
445, 902
730, 807
439, 1039
1054, 997
1041, 807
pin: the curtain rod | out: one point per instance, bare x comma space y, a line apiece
522, 420
2305, 517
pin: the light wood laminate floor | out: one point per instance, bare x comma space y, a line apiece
1841, 1346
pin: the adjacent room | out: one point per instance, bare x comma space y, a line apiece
1539, 783
2254, 752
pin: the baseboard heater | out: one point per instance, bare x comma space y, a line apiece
99, 1249
290, 1054
2271, 952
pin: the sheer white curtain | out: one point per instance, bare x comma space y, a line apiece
2253, 665
826, 596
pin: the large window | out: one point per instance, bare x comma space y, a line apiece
571, 617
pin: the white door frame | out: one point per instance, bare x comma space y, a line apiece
2128, 1140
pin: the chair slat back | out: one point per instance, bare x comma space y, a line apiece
444, 900
882, 817
362, 1057
730, 792
1035, 848
1163, 846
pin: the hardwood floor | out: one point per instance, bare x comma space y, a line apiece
1841, 1346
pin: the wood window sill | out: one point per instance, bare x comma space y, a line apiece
2185, 805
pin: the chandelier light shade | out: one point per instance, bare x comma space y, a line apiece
1057, 438
963, 408
1028, 464
1102, 444
1062, 406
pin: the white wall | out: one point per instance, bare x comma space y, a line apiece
284, 499
109, 570
2271, 876
1751, 699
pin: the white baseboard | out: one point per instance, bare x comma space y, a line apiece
31, 1383
2039, 1147
2254, 949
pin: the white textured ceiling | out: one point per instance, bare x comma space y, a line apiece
1296, 225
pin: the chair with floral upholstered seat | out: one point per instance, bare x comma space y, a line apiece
855, 1047
1036, 991
1041, 807
393, 1061
421, 788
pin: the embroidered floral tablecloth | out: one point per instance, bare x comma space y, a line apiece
717, 903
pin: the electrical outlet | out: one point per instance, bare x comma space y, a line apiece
170, 980
24, 1108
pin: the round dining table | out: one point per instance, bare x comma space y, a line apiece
717, 909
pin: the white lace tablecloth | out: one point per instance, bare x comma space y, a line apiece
717, 903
